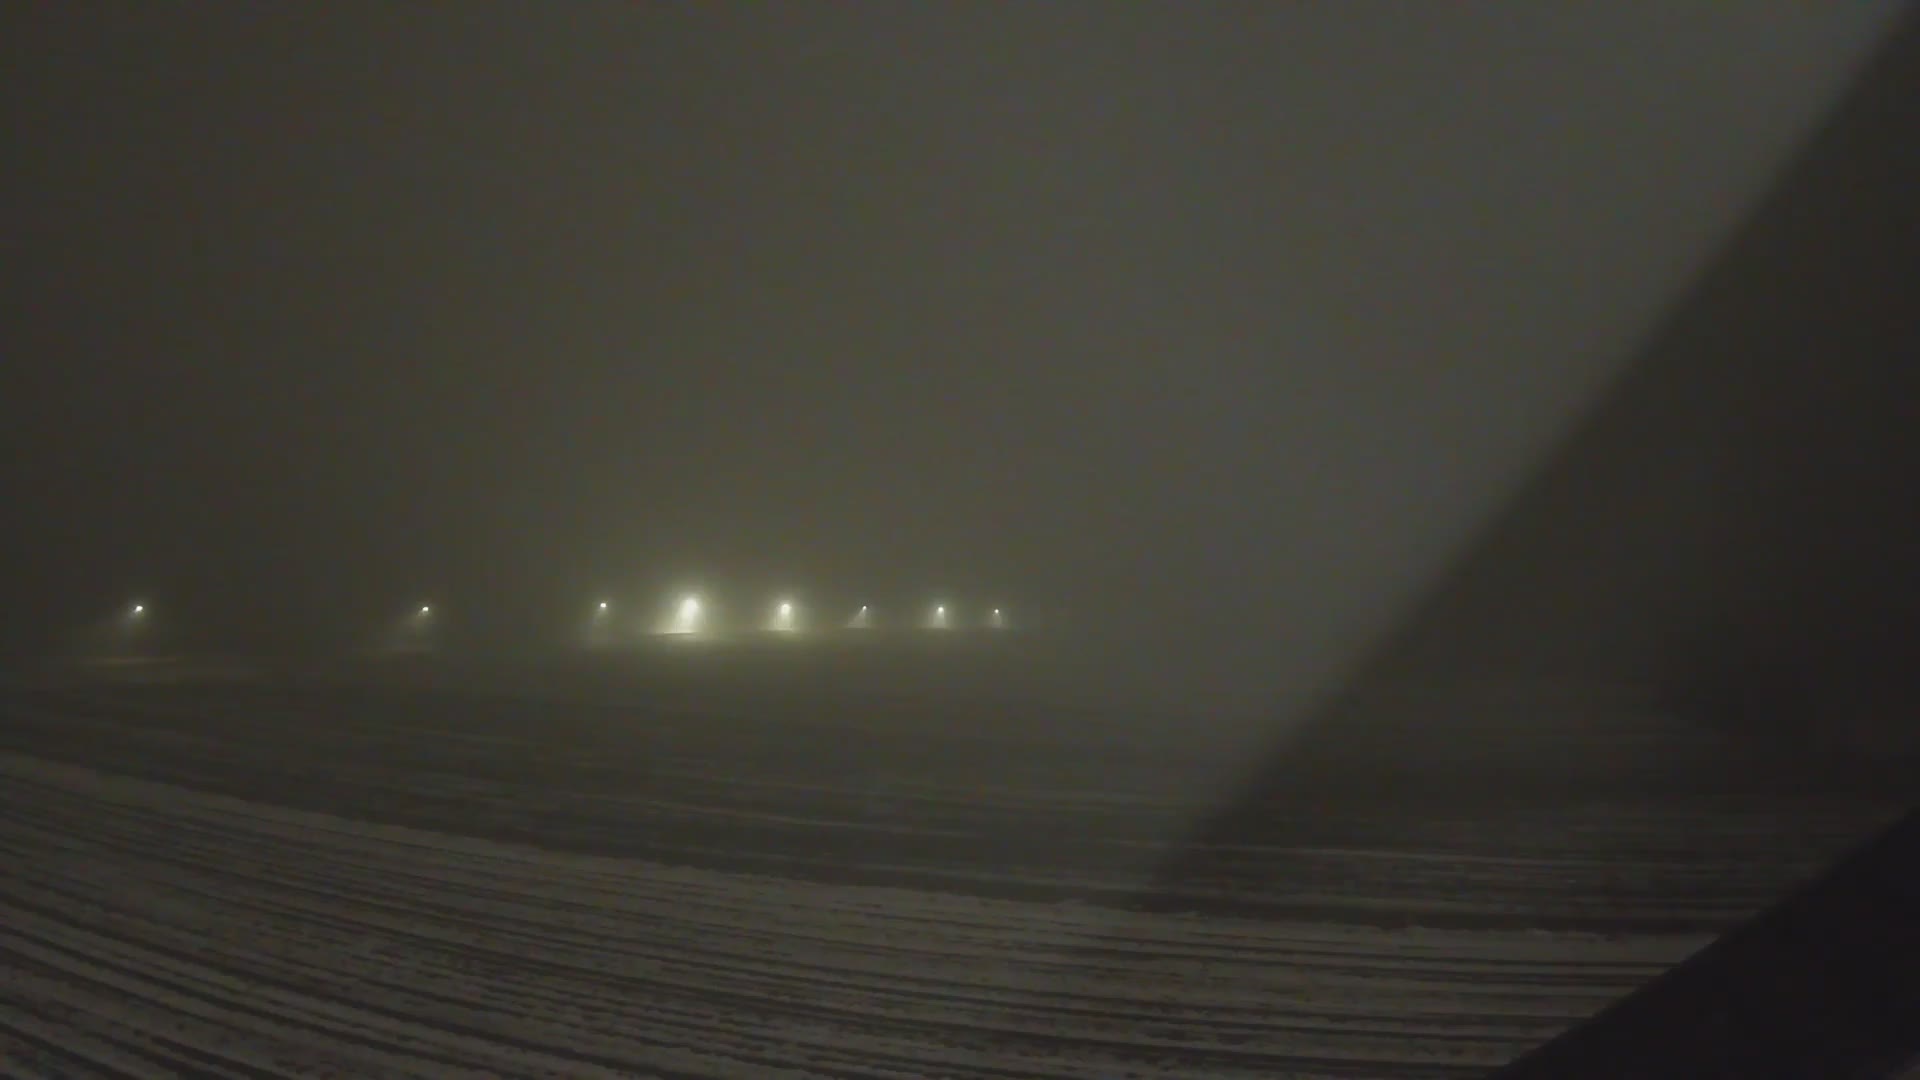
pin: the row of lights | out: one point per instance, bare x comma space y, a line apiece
689, 616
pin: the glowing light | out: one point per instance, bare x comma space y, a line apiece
783, 617
426, 609
139, 609
998, 620
939, 620
686, 618
603, 605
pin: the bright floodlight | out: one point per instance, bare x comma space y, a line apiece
686, 619
426, 609
603, 605
783, 616
998, 620
939, 620
139, 609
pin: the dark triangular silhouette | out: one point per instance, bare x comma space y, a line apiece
1823, 986
1735, 529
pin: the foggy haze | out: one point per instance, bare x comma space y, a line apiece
1041, 540
1212, 334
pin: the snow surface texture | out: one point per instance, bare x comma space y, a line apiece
156, 925
151, 929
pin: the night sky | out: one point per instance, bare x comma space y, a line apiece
1184, 324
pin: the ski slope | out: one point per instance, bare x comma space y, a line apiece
293, 885
149, 929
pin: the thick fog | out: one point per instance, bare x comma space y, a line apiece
1206, 338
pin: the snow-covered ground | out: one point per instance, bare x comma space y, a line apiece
150, 928
256, 886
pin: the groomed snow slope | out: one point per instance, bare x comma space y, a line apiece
362, 882
151, 930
